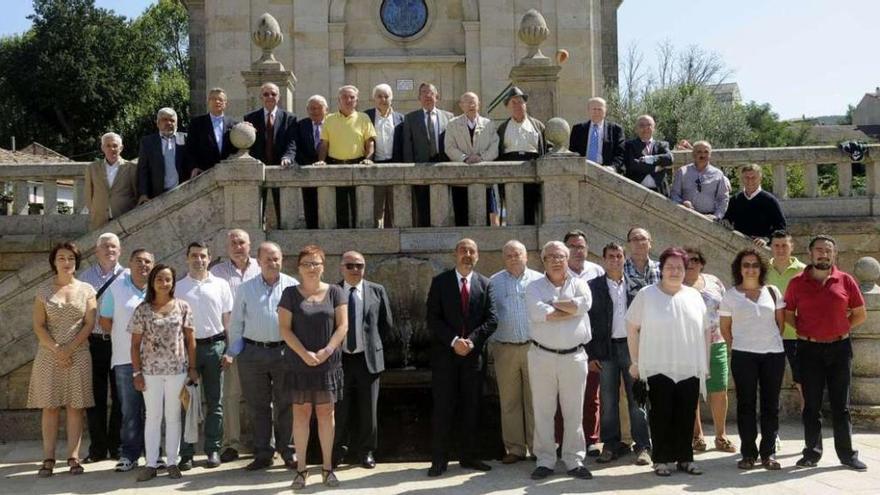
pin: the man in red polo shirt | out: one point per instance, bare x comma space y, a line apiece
824, 303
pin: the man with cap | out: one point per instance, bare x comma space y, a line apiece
521, 137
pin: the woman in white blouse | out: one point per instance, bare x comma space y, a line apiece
752, 322
667, 342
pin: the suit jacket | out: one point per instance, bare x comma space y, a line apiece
601, 315
284, 138
377, 323
151, 164
637, 171
459, 143
537, 124
99, 195
306, 147
397, 144
415, 136
446, 321
202, 144
612, 143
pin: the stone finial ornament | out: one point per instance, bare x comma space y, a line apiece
243, 135
867, 271
557, 132
267, 36
533, 31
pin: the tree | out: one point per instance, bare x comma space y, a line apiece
768, 131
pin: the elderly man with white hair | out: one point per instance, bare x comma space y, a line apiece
162, 157
560, 329
509, 346
111, 183
598, 139
389, 148
308, 138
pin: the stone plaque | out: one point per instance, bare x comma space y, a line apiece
429, 242
404, 18
405, 85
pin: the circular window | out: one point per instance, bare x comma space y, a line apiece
403, 18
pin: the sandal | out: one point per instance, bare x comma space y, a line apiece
724, 444
662, 469
771, 464
689, 468
46, 469
75, 466
746, 463
299, 481
699, 444
329, 477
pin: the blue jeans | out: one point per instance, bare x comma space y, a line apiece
131, 436
613, 368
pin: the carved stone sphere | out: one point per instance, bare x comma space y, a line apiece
243, 136
867, 271
557, 132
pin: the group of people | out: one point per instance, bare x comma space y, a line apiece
382, 135
571, 347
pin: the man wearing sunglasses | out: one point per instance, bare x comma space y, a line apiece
701, 186
369, 319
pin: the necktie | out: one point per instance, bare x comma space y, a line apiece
317, 137
351, 336
270, 140
593, 147
432, 138
465, 304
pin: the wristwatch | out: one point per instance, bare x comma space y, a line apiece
136, 374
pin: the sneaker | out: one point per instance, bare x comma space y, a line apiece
593, 450
124, 465
643, 458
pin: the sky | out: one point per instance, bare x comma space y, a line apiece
804, 57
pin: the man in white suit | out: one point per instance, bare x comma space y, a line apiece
472, 138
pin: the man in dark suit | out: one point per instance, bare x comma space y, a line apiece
389, 149
646, 160
461, 318
308, 137
162, 158
609, 355
209, 135
521, 137
276, 138
369, 318
421, 146
597, 139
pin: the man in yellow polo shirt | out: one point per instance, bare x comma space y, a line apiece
347, 137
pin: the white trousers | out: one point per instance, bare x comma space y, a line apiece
563, 376
162, 398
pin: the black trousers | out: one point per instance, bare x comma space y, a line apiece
357, 424
751, 370
263, 373
104, 436
671, 417
820, 365
455, 381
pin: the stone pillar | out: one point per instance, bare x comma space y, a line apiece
865, 389
472, 54
197, 63
609, 42
337, 57
536, 74
267, 36
241, 176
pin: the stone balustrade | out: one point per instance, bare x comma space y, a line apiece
22, 219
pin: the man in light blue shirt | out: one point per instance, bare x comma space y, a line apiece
701, 186
509, 348
256, 344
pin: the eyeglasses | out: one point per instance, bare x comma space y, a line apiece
311, 265
555, 257
270, 94
354, 266
751, 265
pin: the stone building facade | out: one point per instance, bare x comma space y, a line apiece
459, 45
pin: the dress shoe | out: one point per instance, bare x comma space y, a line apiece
213, 460
606, 456
258, 464
541, 472
475, 464
511, 459
804, 462
593, 450
93, 458
289, 460
339, 454
368, 461
229, 455
855, 464
147, 474
437, 468
581, 473
185, 463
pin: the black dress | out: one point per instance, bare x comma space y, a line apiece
314, 324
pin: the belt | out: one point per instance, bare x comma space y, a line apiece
211, 340
824, 341
99, 337
335, 161
622, 339
512, 343
265, 345
519, 155
556, 351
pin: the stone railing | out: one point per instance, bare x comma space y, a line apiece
21, 217
785, 163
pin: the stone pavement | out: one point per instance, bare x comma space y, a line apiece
19, 462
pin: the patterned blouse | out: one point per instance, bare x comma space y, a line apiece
163, 351
712, 293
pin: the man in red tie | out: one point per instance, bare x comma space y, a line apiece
461, 317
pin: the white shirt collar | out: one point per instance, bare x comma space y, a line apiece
751, 196
359, 287
266, 113
459, 276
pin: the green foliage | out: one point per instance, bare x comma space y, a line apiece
767, 131
81, 71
